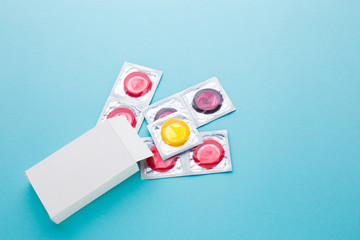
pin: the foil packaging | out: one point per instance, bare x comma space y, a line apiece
131, 94
209, 159
166, 150
204, 102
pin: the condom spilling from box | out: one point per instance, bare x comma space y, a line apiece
106, 155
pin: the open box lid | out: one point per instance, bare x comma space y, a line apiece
87, 167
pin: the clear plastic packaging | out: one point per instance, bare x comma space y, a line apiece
174, 134
207, 101
203, 102
212, 156
131, 94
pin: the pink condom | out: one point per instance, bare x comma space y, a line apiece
137, 84
208, 154
123, 111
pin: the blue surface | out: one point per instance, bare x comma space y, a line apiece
291, 68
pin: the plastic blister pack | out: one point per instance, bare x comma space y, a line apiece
165, 107
212, 156
203, 102
131, 110
207, 101
131, 93
174, 134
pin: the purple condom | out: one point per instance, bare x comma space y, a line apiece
207, 101
164, 112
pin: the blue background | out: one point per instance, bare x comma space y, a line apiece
291, 68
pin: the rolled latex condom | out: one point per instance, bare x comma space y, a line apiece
124, 111
175, 132
137, 84
164, 112
207, 101
208, 154
158, 164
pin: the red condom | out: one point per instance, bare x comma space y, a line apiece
156, 163
137, 84
208, 154
123, 111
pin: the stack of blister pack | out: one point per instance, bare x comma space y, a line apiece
179, 148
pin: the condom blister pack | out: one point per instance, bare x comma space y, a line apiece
204, 102
131, 110
212, 156
178, 148
174, 134
131, 94
207, 101
155, 167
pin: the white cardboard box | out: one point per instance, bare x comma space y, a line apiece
87, 167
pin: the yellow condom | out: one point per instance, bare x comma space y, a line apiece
175, 132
